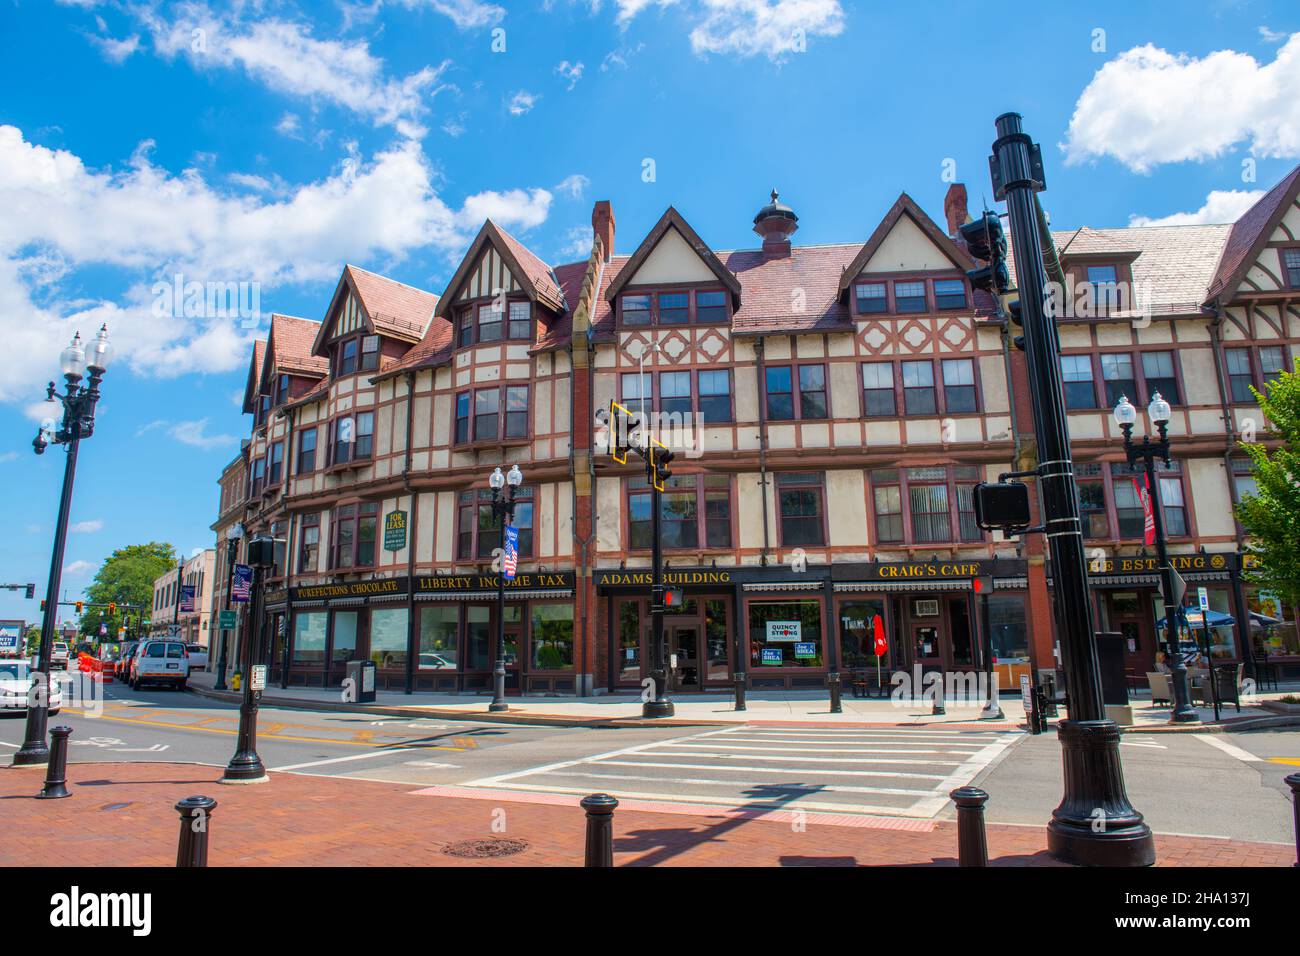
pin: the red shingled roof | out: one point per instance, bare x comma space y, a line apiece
290, 344
254, 379
397, 310
556, 334
1249, 234
531, 272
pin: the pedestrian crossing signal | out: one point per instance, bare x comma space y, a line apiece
673, 598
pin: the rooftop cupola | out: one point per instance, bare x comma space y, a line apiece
776, 223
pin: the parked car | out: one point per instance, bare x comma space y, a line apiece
59, 656
160, 662
198, 655
122, 667
15, 688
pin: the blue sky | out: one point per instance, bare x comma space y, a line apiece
271, 142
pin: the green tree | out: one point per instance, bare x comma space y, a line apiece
126, 577
1271, 516
32, 639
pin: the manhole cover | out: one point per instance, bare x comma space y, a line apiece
483, 849
116, 806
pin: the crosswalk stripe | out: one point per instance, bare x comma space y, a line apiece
828, 750
786, 770
706, 782
791, 759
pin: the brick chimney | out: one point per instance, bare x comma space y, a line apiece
954, 208
602, 224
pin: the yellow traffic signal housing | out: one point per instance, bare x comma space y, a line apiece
660, 458
79, 605
112, 607
622, 425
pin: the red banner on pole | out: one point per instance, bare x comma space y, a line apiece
1148, 515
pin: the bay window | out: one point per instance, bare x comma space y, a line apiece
490, 320
259, 477
521, 321
478, 529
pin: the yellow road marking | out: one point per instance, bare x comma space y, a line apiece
1289, 761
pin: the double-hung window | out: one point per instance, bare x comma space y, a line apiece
918, 388
275, 463
695, 511
306, 451
872, 298
878, 389
490, 321
478, 531
1158, 370
784, 403
1240, 376
949, 294
1291, 263
1272, 362
909, 297
521, 322
369, 353
1117, 375
958, 386
674, 308
710, 307
309, 544
354, 535
1076, 374
802, 506
675, 393
487, 411
715, 395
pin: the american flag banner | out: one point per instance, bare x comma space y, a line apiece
510, 560
241, 584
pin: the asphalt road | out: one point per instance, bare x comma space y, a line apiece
1224, 785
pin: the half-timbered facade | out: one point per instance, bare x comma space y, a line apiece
832, 408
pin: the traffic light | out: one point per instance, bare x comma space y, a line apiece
986, 240
112, 608
79, 605
673, 598
623, 428
661, 457
31, 591
42, 605
1014, 315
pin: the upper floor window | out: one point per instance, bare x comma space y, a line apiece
353, 438
705, 393
281, 389
356, 353
1291, 263
871, 298
1130, 516
478, 529
801, 505
695, 512
479, 414
909, 297
958, 385
309, 544
1240, 376
1076, 376
675, 307
1158, 370
275, 463
354, 535
306, 450
1272, 361
925, 505
259, 476
1104, 283
263, 410
1118, 379
785, 402
878, 389
918, 388
494, 321
949, 294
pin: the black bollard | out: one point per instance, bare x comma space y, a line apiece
1293, 781
600, 829
192, 848
972, 845
740, 690
56, 771
833, 683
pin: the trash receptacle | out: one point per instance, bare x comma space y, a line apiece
359, 687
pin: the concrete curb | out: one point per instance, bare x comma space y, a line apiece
1223, 727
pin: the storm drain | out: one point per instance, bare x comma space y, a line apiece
484, 849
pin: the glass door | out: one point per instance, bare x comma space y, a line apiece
684, 641
345, 644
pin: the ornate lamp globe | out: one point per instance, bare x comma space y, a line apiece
1125, 413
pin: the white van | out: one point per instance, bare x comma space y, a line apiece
161, 662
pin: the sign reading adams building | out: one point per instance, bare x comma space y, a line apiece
623, 579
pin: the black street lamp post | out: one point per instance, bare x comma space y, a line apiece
1095, 823
233, 534
246, 766
78, 423
503, 507
1147, 453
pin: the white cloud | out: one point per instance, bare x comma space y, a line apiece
1272, 36
514, 209
151, 224
8, 456
1149, 106
85, 527
522, 102
284, 56
618, 58
77, 568
454, 126
577, 244
572, 72
1221, 206
466, 14
194, 434
116, 51
289, 125
774, 28
574, 185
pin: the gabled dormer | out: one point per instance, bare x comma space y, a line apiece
289, 370
371, 322
500, 292
673, 278
1261, 257
253, 396
909, 265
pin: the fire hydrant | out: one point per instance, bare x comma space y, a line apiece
235, 680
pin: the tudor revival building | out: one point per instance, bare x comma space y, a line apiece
833, 406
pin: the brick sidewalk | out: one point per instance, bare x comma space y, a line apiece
121, 814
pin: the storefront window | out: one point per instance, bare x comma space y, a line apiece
858, 634
785, 634
1192, 635
345, 636
388, 637
1272, 624
1007, 625
478, 641
629, 640
309, 637
439, 627
552, 637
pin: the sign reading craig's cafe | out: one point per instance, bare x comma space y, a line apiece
430, 632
